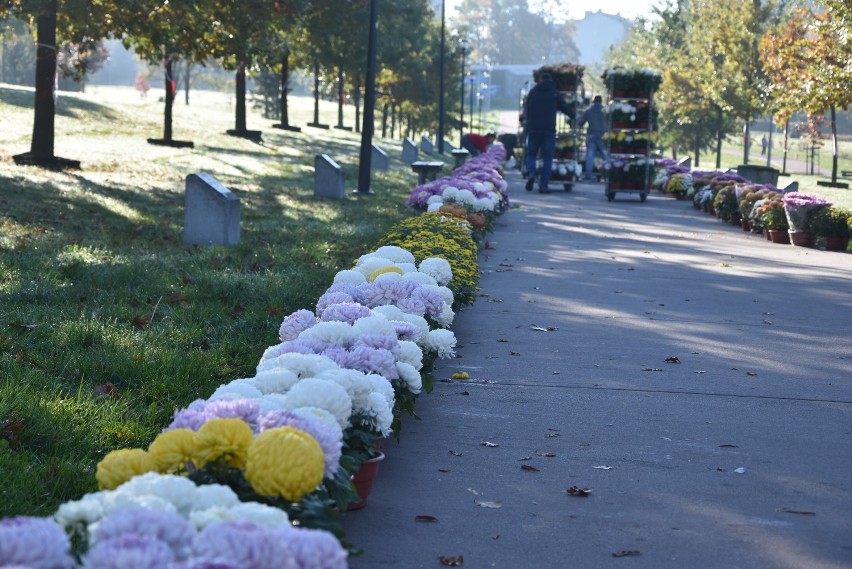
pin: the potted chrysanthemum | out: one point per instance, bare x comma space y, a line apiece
799, 207
832, 225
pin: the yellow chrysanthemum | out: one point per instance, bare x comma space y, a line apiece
119, 466
227, 440
173, 449
383, 270
285, 462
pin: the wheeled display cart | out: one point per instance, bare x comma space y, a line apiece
566, 156
631, 120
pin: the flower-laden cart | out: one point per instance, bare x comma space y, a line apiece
632, 121
566, 167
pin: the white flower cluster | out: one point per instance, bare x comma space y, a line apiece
200, 505
466, 198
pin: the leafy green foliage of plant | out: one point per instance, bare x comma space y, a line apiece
831, 221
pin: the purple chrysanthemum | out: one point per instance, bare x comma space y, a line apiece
345, 312
168, 527
244, 544
295, 324
314, 549
188, 419
129, 551
379, 341
405, 330
411, 305
246, 409
37, 543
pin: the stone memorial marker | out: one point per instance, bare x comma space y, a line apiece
409, 151
211, 212
686, 162
791, 186
380, 159
328, 178
426, 145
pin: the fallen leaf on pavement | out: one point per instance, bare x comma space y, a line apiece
514, 353
529, 468
579, 492
455, 453
461, 375
484, 504
751, 373
603, 467
453, 561
630, 553
551, 435
489, 444
424, 518
443, 470
543, 328
740, 470
525, 458
546, 453
728, 446
651, 369
672, 360
799, 512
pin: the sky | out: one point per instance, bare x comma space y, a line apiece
576, 9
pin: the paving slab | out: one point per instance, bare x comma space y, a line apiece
737, 456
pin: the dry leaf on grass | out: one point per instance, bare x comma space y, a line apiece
140, 321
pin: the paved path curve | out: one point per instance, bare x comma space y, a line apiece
738, 456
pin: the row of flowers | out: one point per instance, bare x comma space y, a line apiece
259, 474
759, 208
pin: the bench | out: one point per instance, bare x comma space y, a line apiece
426, 171
846, 173
460, 156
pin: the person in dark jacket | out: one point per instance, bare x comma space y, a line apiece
476, 144
594, 117
539, 117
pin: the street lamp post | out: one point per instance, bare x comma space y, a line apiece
464, 52
472, 83
441, 84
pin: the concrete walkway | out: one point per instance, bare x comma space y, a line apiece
738, 456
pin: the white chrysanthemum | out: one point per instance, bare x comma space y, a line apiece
177, 490
395, 254
277, 380
421, 324
368, 264
445, 319
353, 381
374, 325
236, 389
389, 312
391, 276
380, 413
272, 402
466, 197
320, 415
434, 206
322, 393
334, 332
116, 500
445, 292
483, 204
409, 374
441, 341
435, 199
479, 187
200, 519
260, 514
420, 278
303, 365
382, 385
410, 353
450, 193
349, 276
214, 496
270, 352
438, 268
407, 268
87, 510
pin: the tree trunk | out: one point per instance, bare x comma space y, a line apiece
41, 146
285, 87
340, 98
719, 138
240, 124
393, 119
168, 67
784, 163
697, 149
357, 103
316, 92
747, 137
384, 120
833, 145
186, 83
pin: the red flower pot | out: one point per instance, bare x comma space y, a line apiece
363, 480
802, 239
836, 243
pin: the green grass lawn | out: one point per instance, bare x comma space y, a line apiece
108, 322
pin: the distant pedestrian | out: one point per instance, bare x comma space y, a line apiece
594, 134
763, 144
476, 144
539, 116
